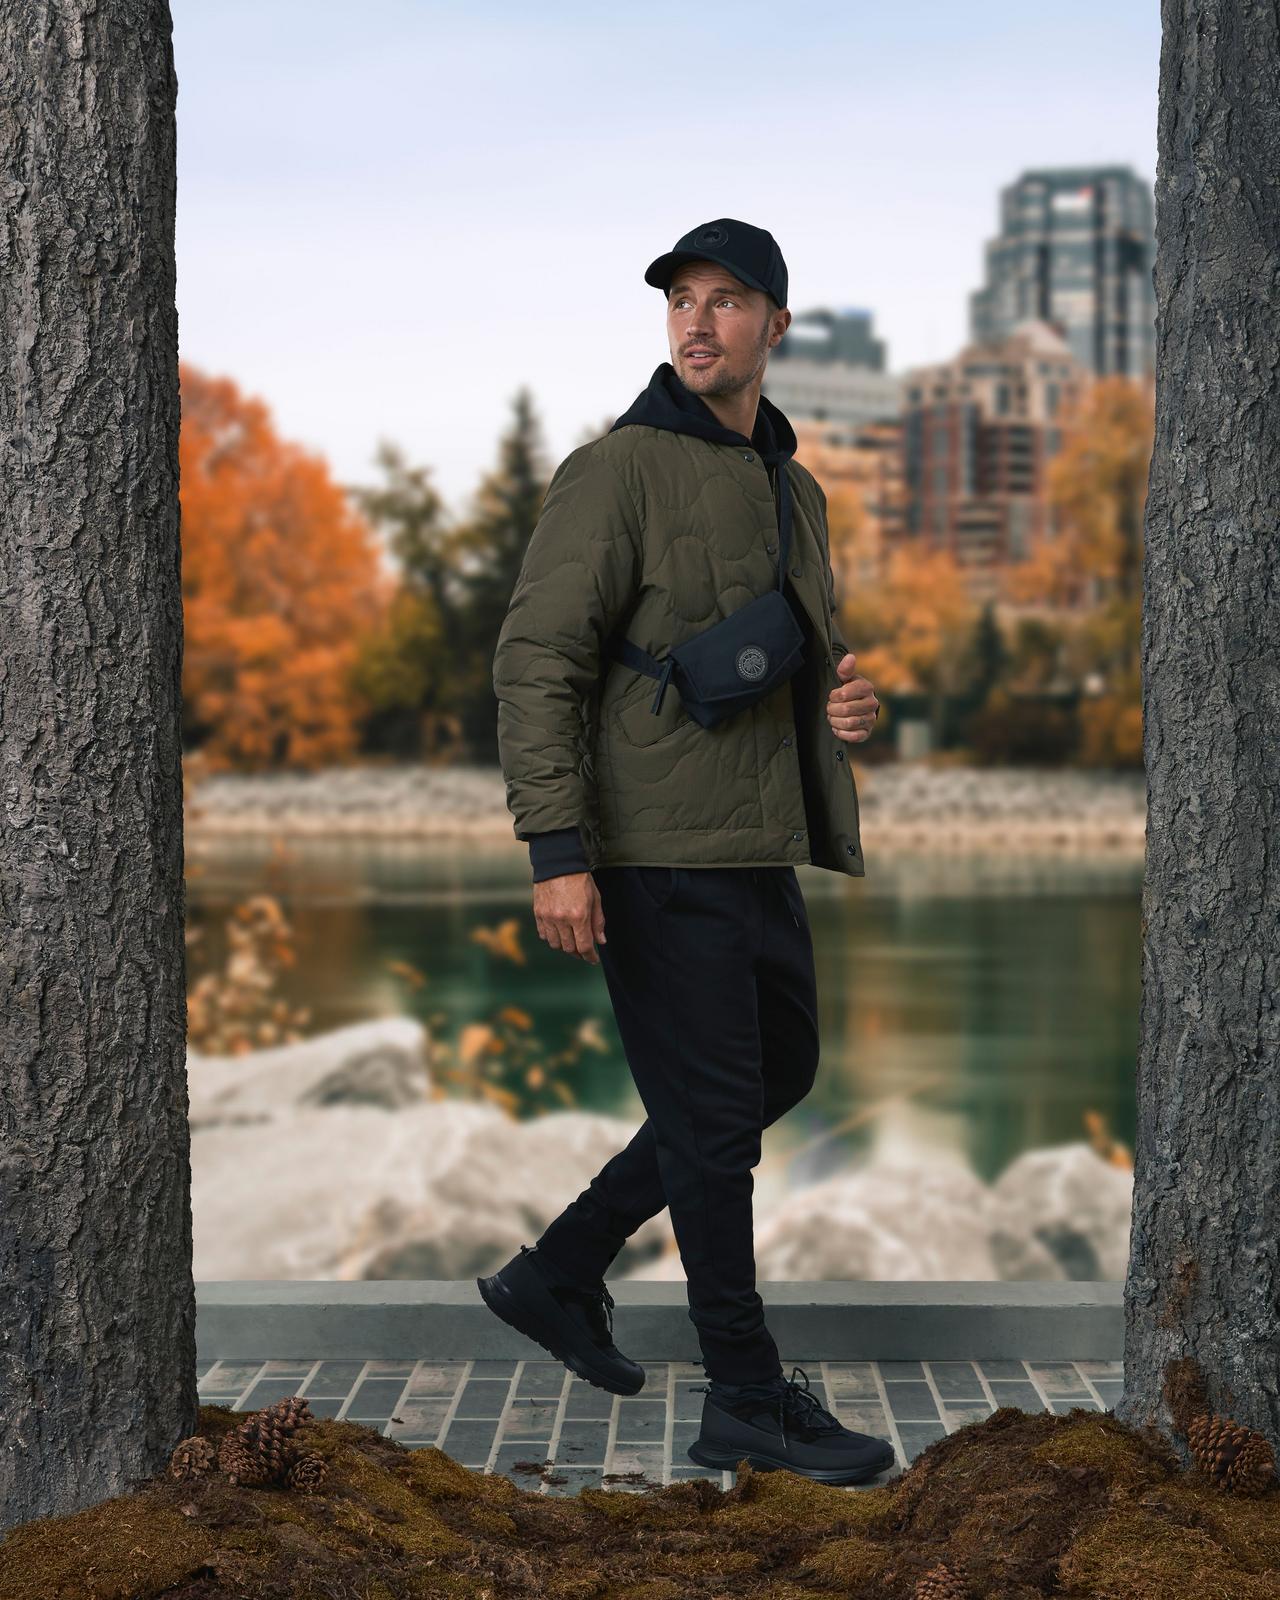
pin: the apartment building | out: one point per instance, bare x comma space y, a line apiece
978, 433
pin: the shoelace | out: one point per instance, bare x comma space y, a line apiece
812, 1414
598, 1297
606, 1299
601, 1299
792, 1398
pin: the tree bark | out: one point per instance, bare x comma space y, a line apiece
97, 1303
1201, 1321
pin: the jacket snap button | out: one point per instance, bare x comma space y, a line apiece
797, 836
795, 572
747, 456
771, 549
848, 849
786, 741
839, 755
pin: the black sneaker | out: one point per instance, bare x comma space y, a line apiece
782, 1425
572, 1322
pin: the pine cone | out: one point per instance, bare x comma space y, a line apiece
940, 1583
192, 1457
293, 1410
270, 1445
268, 1434
1255, 1466
307, 1474
1234, 1456
261, 1450
240, 1463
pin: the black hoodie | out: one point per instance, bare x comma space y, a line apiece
668, 403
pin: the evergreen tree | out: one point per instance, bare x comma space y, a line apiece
490, 548
411, 673
410, 515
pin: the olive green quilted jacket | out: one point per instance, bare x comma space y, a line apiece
660, 532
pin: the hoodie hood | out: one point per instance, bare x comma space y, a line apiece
669, 403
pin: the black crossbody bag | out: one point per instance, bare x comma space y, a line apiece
733, 663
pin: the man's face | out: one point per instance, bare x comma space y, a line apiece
708, 309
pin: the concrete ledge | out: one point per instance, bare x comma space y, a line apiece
399, 1319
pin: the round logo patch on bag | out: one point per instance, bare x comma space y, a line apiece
752, 663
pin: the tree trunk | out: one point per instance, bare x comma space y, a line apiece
1201, 1319
97, 1304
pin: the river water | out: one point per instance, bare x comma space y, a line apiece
970, 1007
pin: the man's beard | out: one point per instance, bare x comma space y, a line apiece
724, 381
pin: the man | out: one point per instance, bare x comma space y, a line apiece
681, 839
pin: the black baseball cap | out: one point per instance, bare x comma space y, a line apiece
751, 254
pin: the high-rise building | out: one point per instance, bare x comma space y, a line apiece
978, 432
829, 368
1075, 248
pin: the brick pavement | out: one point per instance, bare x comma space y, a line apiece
551, 1432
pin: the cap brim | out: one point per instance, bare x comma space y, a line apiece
659, 272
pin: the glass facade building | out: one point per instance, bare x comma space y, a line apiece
1075, 248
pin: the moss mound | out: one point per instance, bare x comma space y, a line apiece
1018, 1505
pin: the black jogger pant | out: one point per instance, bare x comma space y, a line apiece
710, 971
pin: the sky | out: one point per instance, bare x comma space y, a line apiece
392, 216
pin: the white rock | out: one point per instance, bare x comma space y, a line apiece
503, 1183
380, 1063
445, 1189
901, 1221
325, 1160
893, 1221
1076, 1204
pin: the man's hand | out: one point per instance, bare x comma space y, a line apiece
852, 707
569, 914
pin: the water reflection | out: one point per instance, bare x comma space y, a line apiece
971, 1008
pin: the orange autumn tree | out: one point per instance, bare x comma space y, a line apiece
280, 582
1097, 487
911, 632
854, 550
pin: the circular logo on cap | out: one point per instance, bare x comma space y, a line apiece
752, 663
709, 238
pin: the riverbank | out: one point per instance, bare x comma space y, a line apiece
906, 806
447, 1188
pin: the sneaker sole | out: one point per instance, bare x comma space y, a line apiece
727, 1461
504, 1304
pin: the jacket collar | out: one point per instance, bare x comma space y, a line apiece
668, 403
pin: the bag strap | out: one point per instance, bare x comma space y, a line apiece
783, 511
631, 655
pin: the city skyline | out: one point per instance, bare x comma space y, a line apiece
389, 222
